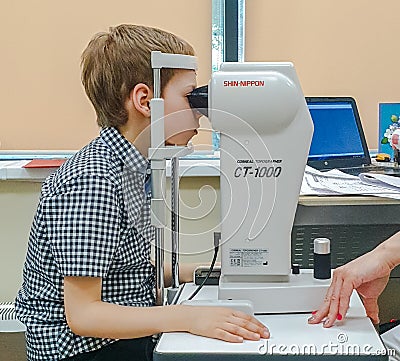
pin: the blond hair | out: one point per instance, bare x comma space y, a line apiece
115, 61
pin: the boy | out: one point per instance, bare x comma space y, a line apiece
88, 286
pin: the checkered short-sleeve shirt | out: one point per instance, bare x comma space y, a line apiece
93, 220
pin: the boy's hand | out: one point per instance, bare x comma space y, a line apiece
224, 324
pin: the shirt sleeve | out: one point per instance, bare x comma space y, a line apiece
83, 226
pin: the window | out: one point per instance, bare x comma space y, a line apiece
228, 21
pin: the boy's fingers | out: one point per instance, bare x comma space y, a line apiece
241, 331
250, 323
248, 318
227, 336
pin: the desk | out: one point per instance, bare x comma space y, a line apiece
196, 167
355, 225
291, 337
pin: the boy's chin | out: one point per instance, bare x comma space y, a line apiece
168, 143
183, 141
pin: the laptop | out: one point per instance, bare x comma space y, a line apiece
338, 140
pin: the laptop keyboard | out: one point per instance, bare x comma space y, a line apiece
372, 169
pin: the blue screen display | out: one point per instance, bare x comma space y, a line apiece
335, 131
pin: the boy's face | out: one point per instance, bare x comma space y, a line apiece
181, 122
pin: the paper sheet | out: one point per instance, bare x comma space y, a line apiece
13, 163
337, 182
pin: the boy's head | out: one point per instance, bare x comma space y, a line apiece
115, 61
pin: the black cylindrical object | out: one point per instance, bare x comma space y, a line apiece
198, 99
322, 258
295, 269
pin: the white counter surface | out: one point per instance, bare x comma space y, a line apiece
193, 167
290, 335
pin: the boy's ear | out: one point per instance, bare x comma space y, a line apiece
140, 96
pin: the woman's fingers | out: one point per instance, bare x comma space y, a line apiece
333, 303
323, 311
336, 301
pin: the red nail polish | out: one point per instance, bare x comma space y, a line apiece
339, 317
314, 312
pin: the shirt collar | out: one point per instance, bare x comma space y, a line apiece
124, 150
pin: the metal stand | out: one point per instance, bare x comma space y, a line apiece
172, 291
158, 153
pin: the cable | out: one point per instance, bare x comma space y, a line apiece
217, 238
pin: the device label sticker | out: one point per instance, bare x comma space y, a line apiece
245, 257
258, 168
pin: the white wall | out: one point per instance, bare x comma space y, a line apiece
18, 201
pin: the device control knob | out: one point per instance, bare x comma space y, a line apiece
322, 258
295, 268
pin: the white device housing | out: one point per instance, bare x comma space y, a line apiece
266, 131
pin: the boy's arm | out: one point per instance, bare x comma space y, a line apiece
88, 315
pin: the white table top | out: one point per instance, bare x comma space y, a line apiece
290, 334
196, 167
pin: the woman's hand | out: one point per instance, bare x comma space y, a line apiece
368, 275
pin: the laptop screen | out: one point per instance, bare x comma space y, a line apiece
338, 140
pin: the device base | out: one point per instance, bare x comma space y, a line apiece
302, 293
239, 305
